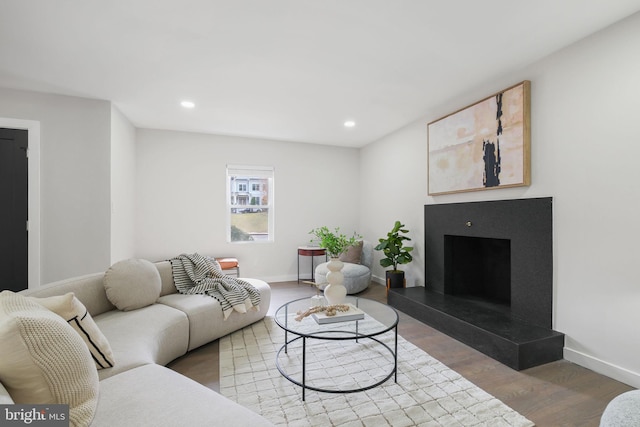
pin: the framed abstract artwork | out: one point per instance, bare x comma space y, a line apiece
484, 146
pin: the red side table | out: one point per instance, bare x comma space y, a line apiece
312, 251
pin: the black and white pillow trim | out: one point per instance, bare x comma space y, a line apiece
101, 359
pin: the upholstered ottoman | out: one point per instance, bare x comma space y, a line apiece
622, 411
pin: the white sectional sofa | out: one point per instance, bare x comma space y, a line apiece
139, 390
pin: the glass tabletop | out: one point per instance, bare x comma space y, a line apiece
378, 318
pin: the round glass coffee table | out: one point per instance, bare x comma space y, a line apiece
351, 341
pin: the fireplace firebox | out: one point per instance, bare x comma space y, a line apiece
489, 279
478, 268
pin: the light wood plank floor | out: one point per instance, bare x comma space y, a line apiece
556, 394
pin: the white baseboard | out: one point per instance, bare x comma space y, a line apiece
378, 280
287, 278
383, 281
605, 368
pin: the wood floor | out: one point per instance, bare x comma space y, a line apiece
556, 394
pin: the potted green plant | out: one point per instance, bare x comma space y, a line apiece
395, 253
333, 241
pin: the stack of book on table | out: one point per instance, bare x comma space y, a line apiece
354, 313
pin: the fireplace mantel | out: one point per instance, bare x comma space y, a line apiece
518, 334
527, 223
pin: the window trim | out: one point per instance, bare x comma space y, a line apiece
251, 171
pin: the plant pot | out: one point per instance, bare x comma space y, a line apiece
335, 292
395, 279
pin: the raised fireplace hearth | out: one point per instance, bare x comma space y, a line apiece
489, 279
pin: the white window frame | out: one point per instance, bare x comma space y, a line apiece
251, 171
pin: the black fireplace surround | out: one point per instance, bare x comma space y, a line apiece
489, 279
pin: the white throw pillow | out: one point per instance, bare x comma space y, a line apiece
132, 283
43, 360
75, 313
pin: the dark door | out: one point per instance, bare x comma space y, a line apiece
13, 210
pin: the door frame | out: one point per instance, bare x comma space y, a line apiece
33, 163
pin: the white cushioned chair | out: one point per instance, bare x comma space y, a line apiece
357, 277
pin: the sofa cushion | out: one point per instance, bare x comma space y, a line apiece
43, 360
206, 320
89, 289
152, 334
166, 275
132, 283
74, 312
166, 398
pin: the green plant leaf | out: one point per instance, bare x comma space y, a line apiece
393, 247
333, 241
385, 262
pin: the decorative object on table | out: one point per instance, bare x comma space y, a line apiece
395, 253
335, 291
331, 310
351, 314
332, 313
335, 243
317, 300
483, 146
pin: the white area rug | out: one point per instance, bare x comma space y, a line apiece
427, 393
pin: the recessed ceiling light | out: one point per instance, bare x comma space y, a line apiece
349, 124
187, 104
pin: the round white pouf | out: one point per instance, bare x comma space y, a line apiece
622, 411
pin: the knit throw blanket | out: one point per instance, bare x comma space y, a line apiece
196, 274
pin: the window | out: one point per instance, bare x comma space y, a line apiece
250, 214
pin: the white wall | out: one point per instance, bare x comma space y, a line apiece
74, 174
181, 194
123, 173
393, 188
585, 150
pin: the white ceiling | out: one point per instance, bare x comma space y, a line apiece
283, 69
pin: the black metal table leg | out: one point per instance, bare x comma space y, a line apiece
304, 367
286, 323
395, 356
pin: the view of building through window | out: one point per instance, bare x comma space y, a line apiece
249, 203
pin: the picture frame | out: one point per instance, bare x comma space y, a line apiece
484, 146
